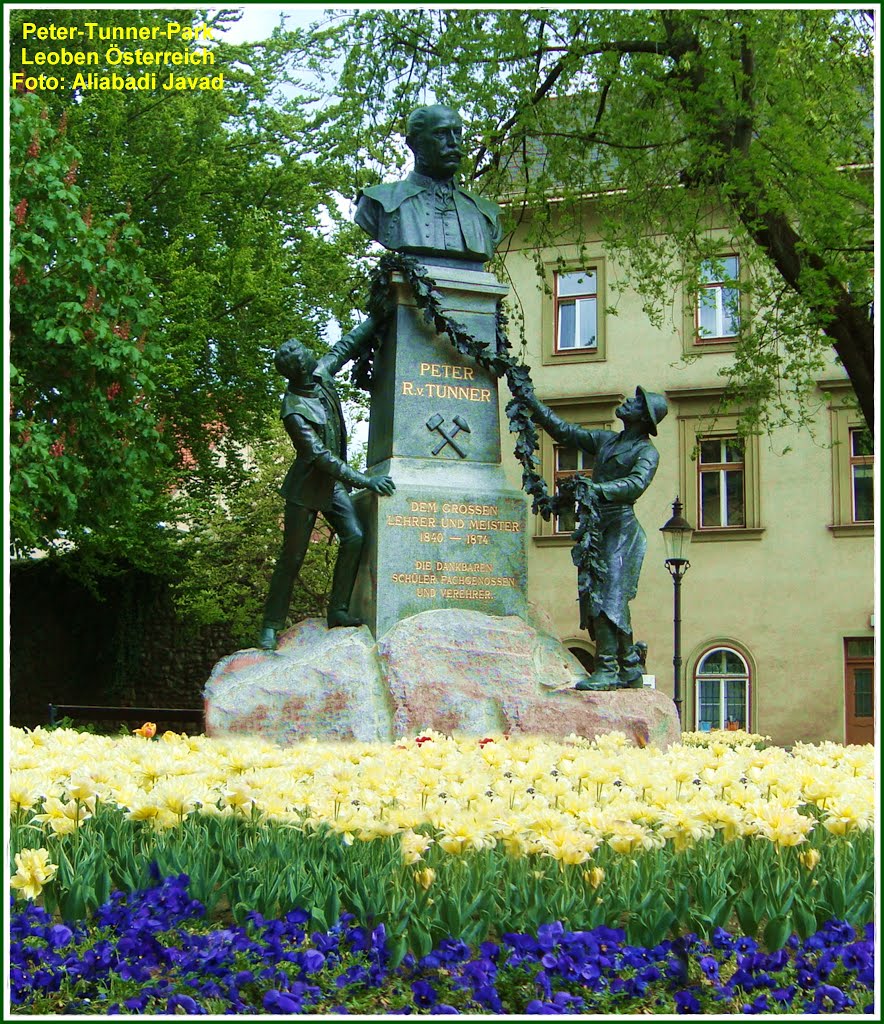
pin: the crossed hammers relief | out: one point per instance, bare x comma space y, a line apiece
435, 423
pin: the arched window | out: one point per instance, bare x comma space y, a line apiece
722, 690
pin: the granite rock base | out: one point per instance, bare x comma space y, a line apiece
456, 671
318, 682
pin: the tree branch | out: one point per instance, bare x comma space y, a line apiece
845, 321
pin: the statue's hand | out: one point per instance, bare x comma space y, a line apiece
381, 485
532, 401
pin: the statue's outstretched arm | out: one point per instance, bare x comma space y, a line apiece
564, 432
351, 346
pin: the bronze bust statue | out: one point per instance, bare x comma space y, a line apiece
429, 214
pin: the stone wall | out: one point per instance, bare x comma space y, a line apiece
125, 646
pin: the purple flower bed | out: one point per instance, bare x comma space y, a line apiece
153, 952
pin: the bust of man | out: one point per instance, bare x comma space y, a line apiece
428, 214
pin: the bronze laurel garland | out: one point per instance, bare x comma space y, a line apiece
586, 552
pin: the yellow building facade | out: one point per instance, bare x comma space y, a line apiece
778, 625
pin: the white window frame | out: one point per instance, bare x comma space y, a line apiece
584, 466
722, 468
711, 283
723, 679
857, 461
578, 299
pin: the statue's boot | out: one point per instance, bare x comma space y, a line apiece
343, 580
631, 668
267, 640
605, 675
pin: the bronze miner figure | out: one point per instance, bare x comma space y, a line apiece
319, 478
428, 214
625, 464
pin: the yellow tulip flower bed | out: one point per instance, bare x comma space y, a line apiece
718, 829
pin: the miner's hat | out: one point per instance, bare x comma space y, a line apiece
656, 405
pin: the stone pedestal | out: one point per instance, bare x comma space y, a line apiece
453, 534
450, 643
462, 673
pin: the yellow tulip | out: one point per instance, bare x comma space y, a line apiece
81, 787
425, 877
594, 877
33, 871
63, 818
23, 795
568, 845
414, 846
810, 858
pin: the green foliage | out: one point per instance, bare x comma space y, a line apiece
86, 455
696, 133
241, 246
66, 722
233, 864
229, 553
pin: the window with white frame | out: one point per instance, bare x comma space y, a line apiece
721, 491
569, 462
861, 462
576, 310
718, 302
722, 690
853, 463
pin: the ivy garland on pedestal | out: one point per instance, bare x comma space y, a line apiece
586, 552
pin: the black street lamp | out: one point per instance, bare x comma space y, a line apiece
677, 534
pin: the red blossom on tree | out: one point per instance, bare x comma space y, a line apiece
21, 212
114, 390
21, 278
87, 217
71, 176
63, 123
122, 330
34, 148
56, 449
92, 302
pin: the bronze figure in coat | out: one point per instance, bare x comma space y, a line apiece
625, 464
319, 478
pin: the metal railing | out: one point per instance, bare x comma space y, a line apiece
107, 713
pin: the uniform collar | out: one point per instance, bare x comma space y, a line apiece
434, 184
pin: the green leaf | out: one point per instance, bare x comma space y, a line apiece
776, 931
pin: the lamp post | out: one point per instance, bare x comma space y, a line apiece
677, 534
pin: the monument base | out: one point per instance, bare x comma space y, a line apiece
459, 672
